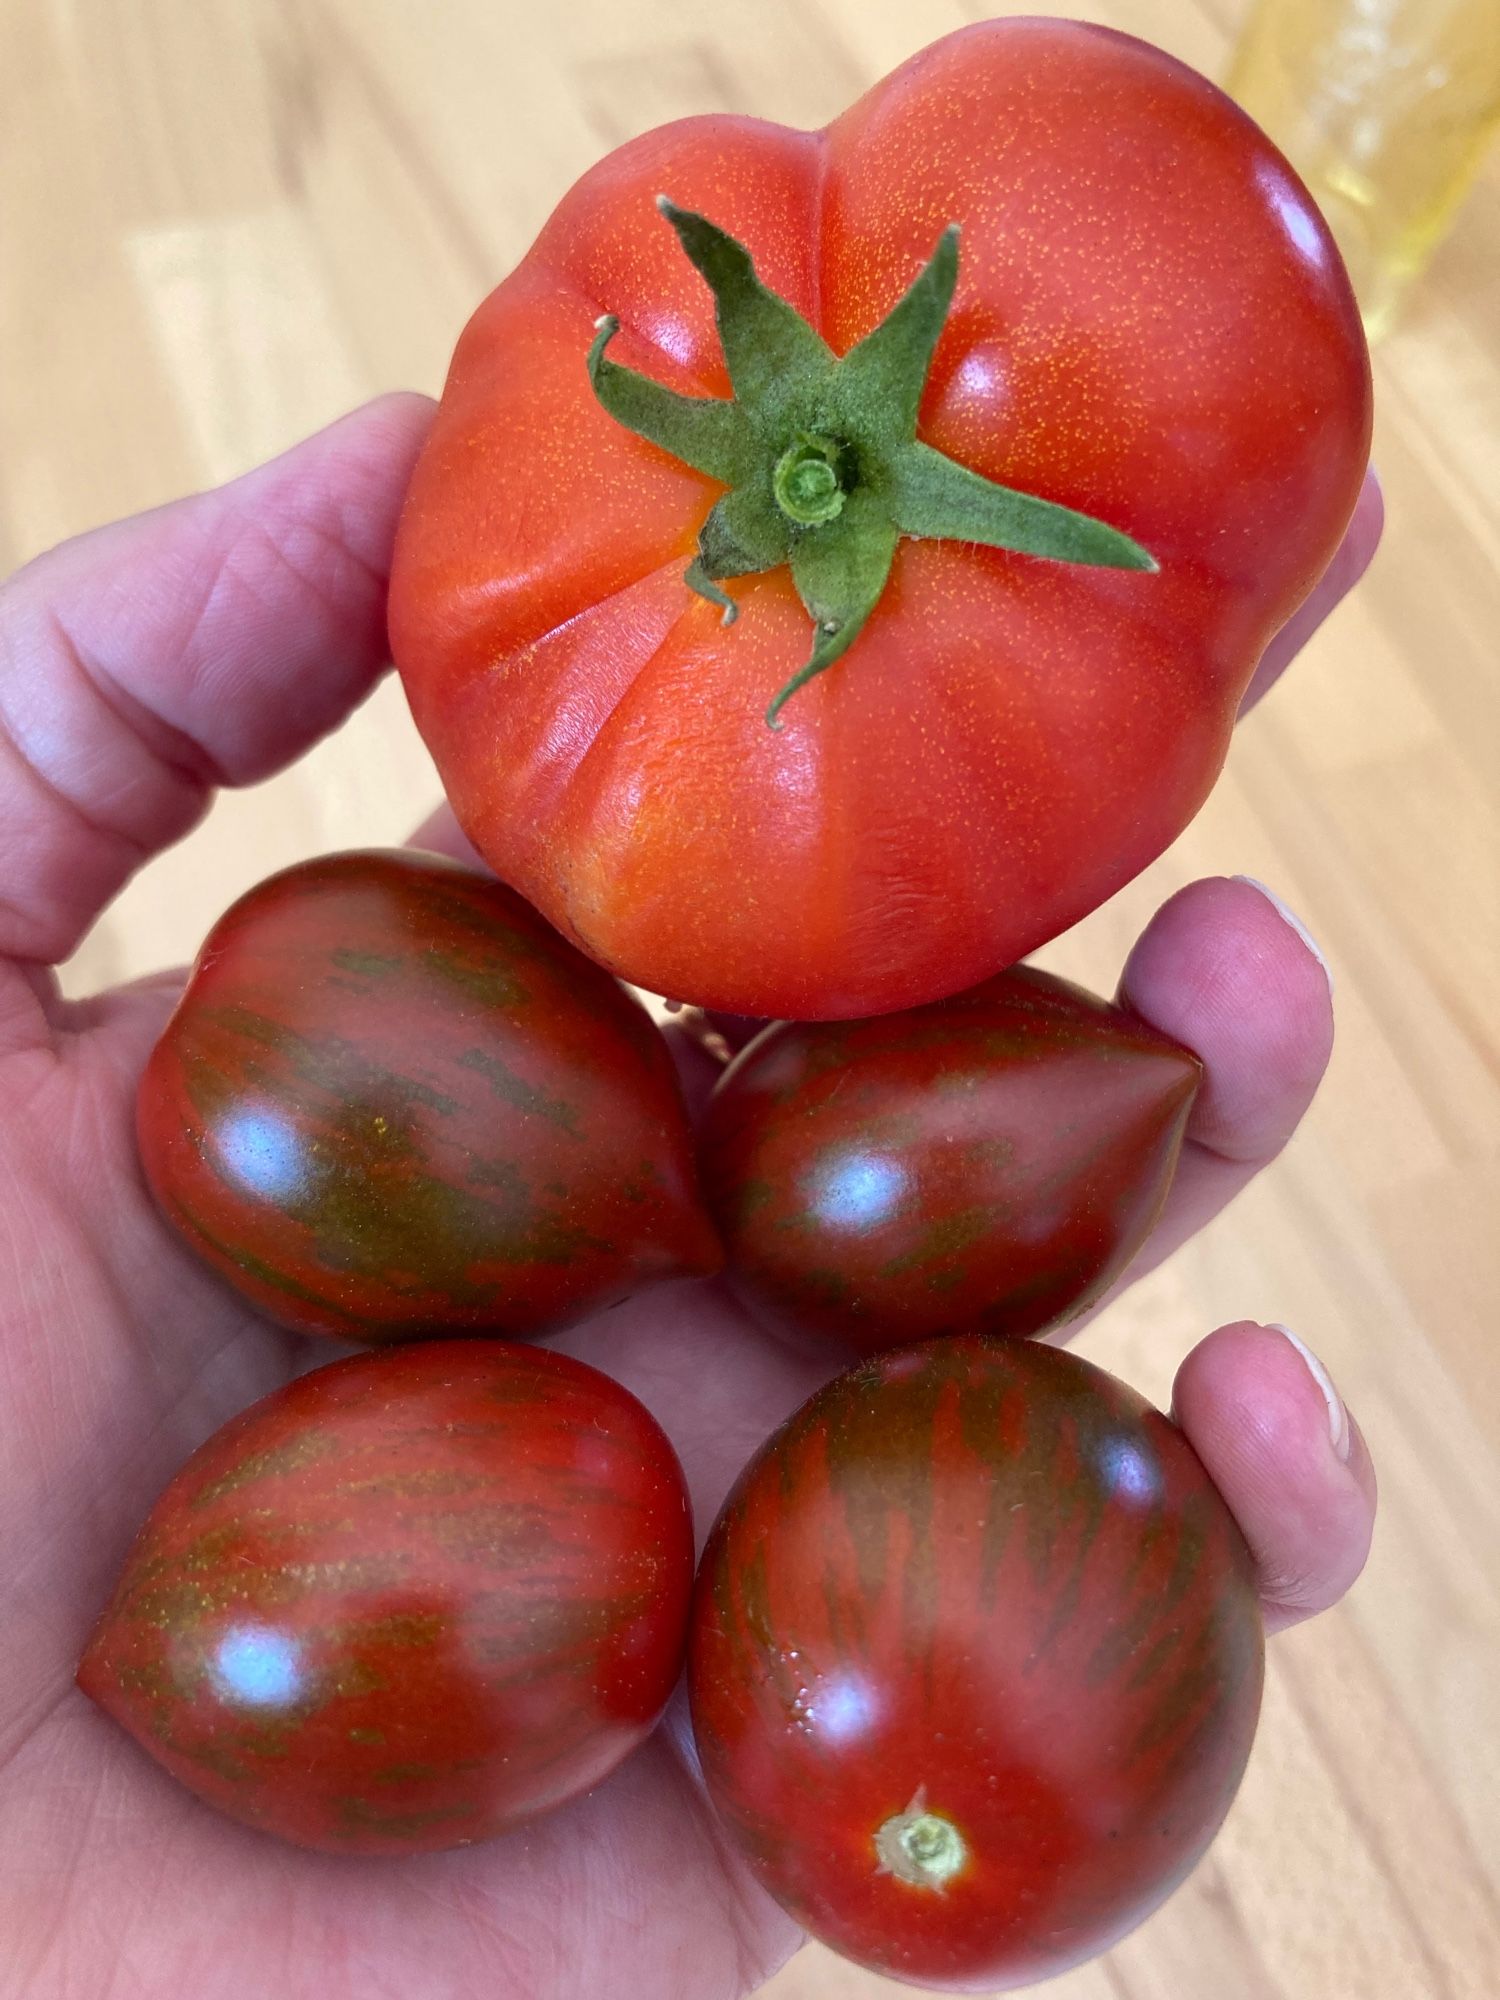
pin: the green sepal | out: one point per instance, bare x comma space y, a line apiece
840, 571
937, 499
745, 532
801, 411
705, 432
698, 580
877, 387
774, 358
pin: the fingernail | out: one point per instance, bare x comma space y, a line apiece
1338, 1416
1291, 919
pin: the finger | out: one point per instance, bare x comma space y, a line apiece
1227, 970
1351, 559
208, 642
1273, 1434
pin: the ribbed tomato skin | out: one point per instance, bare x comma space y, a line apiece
1151, 324
992, 1162
408, 1601
392, 1102
984, 1580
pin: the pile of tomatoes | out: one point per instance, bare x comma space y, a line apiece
973, 1651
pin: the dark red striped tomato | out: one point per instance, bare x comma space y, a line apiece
992, 1162
408, 1601
392, 1102
975, 1662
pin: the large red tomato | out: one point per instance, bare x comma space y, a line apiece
391, 1102
991, 1162
1151, 327
975, 1662
406, 1602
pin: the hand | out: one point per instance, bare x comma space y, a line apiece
210, 643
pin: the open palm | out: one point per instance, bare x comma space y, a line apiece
211, 643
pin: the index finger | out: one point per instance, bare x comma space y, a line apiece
208, 642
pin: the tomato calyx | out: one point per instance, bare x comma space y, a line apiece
921, 1847
820, 451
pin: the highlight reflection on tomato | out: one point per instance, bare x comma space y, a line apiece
975, 1662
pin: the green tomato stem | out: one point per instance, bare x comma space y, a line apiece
820, 453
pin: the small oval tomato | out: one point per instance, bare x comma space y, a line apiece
1141, 319
407, 1601
991, 1162
975, 1662
392, 1102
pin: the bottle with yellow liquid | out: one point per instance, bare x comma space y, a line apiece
1385, 108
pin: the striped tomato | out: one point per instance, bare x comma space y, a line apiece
392, 1102
407, 1601
975, 1662
991, 1162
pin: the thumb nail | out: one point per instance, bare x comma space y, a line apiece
1338, 1416
1291, 920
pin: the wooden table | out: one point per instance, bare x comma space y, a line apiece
221, 224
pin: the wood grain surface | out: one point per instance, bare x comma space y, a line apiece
223, 223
